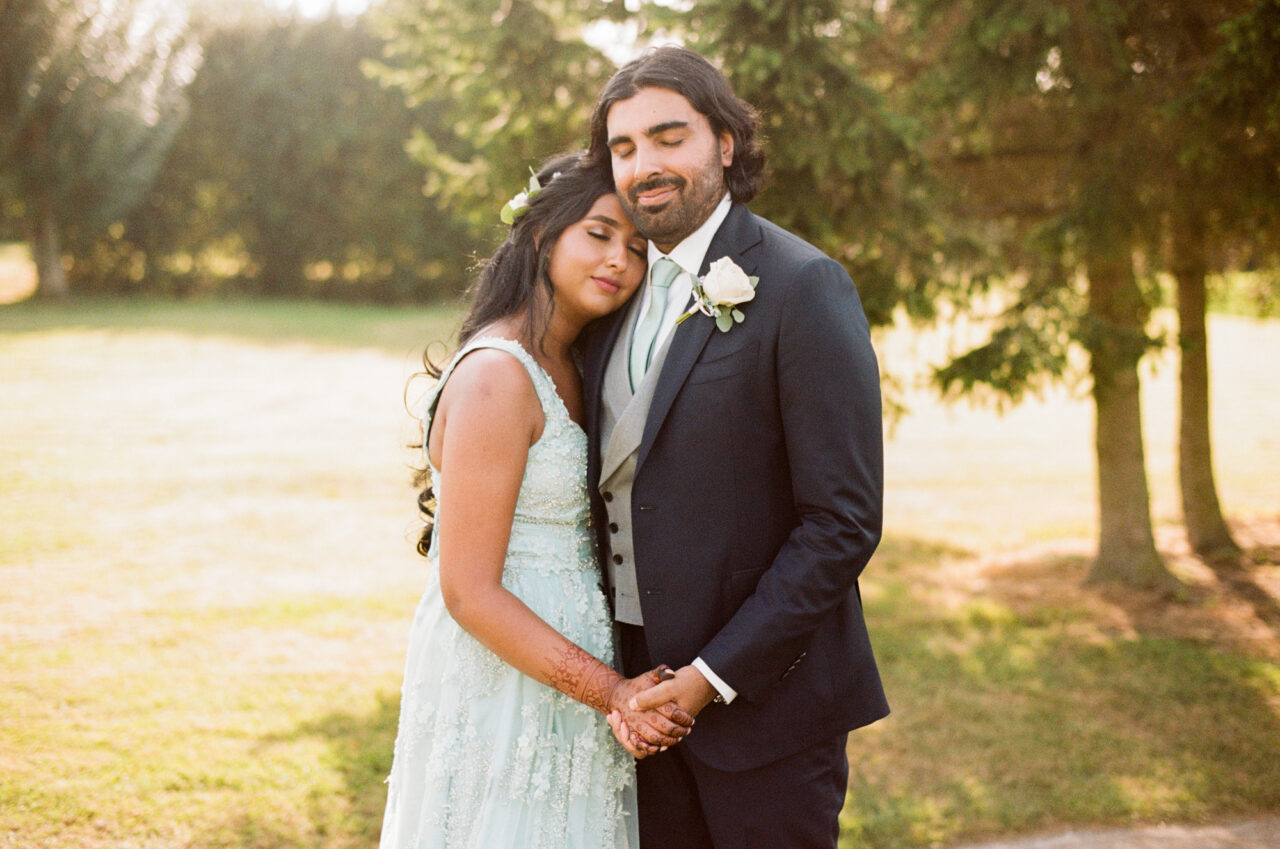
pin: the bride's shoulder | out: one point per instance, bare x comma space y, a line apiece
490, 380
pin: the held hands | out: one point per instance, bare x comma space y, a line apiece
651, 729
687, 688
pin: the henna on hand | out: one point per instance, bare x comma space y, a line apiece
579, 675
583, 677
655, 729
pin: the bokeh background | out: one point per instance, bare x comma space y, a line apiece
228, 231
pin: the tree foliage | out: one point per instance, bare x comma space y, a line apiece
91, 95
1068, 124
291, 176
507, 85
847, 170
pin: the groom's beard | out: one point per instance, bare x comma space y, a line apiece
671, 222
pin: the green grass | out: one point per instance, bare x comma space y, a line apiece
205, 545
1018, 718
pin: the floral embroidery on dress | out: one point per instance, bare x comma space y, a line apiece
484, 755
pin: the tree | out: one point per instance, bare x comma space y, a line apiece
846, 169
507, 84
1087, 94
290, 176
1225, 125
90, 99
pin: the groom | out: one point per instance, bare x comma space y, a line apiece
736, 474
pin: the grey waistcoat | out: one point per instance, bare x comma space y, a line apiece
621, 428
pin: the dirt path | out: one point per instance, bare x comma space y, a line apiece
1261, 833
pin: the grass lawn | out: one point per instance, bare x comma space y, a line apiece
205, 549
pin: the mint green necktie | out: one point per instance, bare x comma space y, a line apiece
642, 341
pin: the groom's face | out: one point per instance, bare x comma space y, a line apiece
668, 164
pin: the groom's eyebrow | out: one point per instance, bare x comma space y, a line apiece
655, 130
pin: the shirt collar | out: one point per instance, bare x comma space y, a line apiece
690, 253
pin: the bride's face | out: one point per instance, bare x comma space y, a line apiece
598, 262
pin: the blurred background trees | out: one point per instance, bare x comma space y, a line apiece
288, 178
91, 95
1058, 171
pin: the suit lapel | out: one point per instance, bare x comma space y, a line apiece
736, 237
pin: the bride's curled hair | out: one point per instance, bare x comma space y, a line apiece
515, 278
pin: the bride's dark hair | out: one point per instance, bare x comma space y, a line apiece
515, 277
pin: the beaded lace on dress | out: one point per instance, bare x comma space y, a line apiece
486, 757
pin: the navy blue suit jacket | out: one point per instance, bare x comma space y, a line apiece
757, 500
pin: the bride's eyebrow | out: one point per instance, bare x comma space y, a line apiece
604, 219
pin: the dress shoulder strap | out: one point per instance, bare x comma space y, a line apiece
542, 383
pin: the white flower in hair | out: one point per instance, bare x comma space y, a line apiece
519, 204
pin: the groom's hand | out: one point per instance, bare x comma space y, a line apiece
688, 688
646, 731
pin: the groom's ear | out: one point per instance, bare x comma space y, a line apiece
726, 148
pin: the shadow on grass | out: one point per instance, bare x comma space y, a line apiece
1236, 574
1018, 711
357, 751
360, 750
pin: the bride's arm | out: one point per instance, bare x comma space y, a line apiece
487, 418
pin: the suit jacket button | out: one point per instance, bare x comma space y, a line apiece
613, 527
617, 558
608, 496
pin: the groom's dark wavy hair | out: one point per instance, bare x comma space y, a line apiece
516, 277
701, 83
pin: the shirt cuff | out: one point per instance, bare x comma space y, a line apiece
726, 692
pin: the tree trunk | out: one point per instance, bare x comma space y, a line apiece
1206, 529
1116, 340
51, 277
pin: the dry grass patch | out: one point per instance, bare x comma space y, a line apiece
206, 547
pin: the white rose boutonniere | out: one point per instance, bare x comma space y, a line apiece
718, 293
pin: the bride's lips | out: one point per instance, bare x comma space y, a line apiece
607, 283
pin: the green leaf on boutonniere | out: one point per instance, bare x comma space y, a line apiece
724, 320
737, 315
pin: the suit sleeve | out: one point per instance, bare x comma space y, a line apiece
829, 394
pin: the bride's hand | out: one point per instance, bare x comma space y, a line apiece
623, 735
646, 731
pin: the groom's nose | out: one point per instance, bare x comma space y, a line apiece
647, 161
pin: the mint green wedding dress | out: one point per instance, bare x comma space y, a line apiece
486, 757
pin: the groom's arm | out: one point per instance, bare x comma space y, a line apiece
829, 395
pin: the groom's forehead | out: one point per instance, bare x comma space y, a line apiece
652, 109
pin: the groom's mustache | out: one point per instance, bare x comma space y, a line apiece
633, 194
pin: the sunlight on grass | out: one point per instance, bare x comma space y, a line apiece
17, 273
206, 534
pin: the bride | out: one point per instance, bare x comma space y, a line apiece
503, 740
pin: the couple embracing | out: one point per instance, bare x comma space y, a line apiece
656, 462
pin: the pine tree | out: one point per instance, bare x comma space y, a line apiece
508, 84
1079, 103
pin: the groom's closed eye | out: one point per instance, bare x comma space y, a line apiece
624, 146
